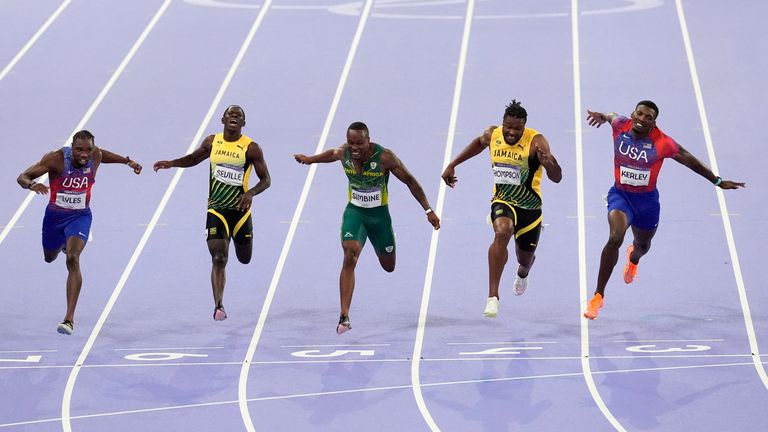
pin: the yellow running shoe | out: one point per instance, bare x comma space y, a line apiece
593, 306
491, 307
630, 269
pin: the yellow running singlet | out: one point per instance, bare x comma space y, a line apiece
229, 172
516, 172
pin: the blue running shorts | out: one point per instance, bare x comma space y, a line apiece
58, 226
642, 208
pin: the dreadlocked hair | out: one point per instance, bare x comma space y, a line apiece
516, 110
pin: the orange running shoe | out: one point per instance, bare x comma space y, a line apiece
593, 306
630, 269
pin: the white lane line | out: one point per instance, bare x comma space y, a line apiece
87, 116
65, 406
668, 340
391, 360
34, 39
242, 392
750, 328
366, 390
577, 115
429, 274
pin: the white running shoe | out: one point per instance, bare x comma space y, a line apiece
66, 327
520, 284
491, 307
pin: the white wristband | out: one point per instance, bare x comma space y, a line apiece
428, 211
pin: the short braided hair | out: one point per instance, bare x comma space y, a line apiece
516, 110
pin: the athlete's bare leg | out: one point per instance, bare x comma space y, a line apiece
525, 261
617, 224
387, 262
244, 251
75, 246
498, 253
352, 249
641, 242
219, 249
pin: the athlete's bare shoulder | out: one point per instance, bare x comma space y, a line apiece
485, 139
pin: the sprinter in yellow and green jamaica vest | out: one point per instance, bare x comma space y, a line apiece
232, 156
518, 155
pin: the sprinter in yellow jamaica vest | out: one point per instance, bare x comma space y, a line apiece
517, 155
366, 216
232, 156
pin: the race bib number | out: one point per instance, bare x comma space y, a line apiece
634, 177
506, 174
366, 198
70, 200
228, 174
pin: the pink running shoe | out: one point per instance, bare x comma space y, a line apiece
344, 325
219, 314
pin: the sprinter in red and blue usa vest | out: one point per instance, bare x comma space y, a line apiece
639, 149
67, 221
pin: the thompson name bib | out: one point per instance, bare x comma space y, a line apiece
506, 174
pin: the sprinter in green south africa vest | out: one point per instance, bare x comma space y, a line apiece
232, 156
518, 154
367, 166
367, 186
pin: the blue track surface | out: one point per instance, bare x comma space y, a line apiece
674, 351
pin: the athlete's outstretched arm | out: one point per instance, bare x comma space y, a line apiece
474, 148
393, 164
327, 156
596, 119
547, 159
109, 157
200, 154
689, 160
256, 156
46, 165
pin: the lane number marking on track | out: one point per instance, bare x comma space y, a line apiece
502, 350
652, 348
161, 356
335, 353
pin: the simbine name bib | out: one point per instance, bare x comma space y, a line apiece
366, 198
